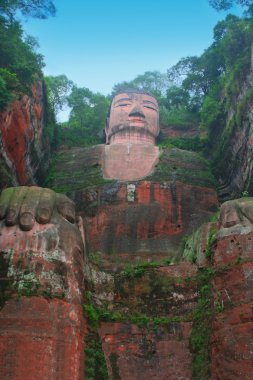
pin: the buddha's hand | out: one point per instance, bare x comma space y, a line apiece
24, 205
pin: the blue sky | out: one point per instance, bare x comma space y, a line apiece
98, 43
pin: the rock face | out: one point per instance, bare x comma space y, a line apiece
159, 302
233, 144
183, 320
42, 326
231, 341
22, 139
137, 220
166, 296
178, 131
153, 319
160, 355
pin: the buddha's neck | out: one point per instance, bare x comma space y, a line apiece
132, 137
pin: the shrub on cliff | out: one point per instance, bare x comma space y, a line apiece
20, 64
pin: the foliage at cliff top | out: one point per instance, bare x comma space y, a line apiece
87, 118
28, 8
227, 4
20, 64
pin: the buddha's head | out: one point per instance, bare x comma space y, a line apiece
133, 117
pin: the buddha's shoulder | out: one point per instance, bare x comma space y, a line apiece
186, 166
75, 168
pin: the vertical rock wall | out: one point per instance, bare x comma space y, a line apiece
24, 150
231, 341
233, 143
42, 326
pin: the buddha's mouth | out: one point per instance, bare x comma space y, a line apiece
140, 121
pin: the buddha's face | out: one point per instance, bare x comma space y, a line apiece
133, 112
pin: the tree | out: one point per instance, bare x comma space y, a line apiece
58, 89
196, 74
221, 5
176, 97
29, 8
20, 64
87, 117
151, 81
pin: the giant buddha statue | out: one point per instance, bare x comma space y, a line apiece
136, 201
124, 202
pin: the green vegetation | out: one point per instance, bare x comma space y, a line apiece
5, 282
131, 271
201, 331
96, 315
220, 5
211, 240
29, 8
189, 246
20, 64
95, 365
72, 176
115, 370
169, 167
195, 144
87, 118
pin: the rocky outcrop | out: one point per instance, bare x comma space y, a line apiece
183, 321
42, 326
233, 143
191, 320
24, 149
179, 131
231, 340
152, 311
131, 351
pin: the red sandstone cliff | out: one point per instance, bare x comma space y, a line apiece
42, 326
233, 143
24, 151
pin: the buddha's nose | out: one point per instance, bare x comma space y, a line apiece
136, 111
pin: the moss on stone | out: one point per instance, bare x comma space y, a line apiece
76, 169
184, 166
113, 357
95, 365
201, 330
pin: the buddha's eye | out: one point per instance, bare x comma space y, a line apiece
123, 105
149, 107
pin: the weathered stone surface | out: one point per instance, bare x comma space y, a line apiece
231, 343
23, 147
179, 131
41, 339
42, 327
233, 143
152, 308
146, 220
129, 221
169, 291
133, 353
121, 161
